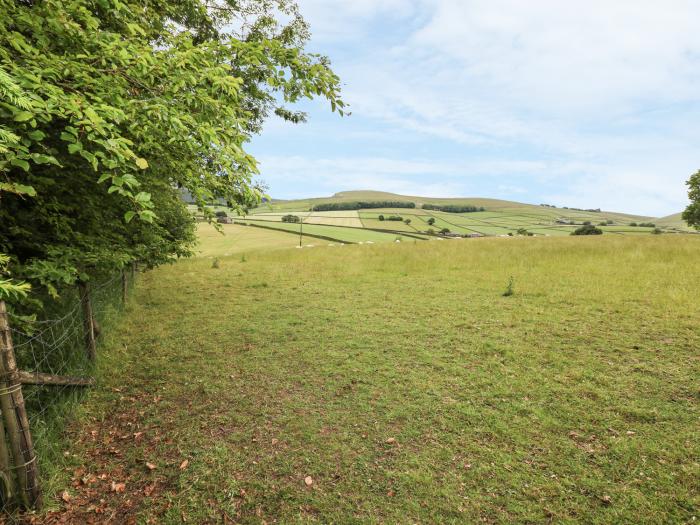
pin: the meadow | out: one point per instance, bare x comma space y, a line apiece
395, 383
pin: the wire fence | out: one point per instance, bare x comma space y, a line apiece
45, 366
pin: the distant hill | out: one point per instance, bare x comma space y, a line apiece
489, 204
673, 221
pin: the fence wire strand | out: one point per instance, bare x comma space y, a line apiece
56, 345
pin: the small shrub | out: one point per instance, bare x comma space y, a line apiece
633, 224
445, 231
586, 223
657, 231
523, 231
381, 217
221, 214
291, 218
431, 221
588, 230
407, 221
215, 263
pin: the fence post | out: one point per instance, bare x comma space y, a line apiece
8, 488
16, 420
88, 324
124, 287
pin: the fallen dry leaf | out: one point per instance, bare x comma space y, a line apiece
118, 487
184, 464
150, 466
391, 441
309, 481
65, 496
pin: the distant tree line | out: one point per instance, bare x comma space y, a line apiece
362, 205
452, 208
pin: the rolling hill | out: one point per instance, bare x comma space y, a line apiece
364, 221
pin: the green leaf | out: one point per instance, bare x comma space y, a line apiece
23, 116
40, 158
142, 163
147, 216
20, 164
18, 189
72, 148
103, 178
36, 135
142, 197
129, 215
94, 117
67, 137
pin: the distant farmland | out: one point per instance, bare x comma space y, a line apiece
499, 218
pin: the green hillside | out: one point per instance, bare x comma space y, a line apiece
673, 221
489, 204
490, 217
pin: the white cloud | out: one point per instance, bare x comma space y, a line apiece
602, 95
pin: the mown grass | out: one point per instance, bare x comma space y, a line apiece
411, 391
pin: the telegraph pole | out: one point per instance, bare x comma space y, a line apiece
301, 229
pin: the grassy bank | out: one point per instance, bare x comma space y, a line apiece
403, 387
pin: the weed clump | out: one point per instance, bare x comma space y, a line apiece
510, 289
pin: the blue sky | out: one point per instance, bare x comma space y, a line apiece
585, 104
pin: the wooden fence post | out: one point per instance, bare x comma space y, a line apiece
124, 287
88, 324
16, 420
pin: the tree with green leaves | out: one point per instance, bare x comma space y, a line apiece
587, 229
110, 108
692, 213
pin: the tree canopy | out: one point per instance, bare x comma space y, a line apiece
692, 213
109, 107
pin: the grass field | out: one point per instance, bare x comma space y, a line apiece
239, 239
394, 383
342, 234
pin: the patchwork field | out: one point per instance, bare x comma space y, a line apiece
394, 383
500, 218
342, 234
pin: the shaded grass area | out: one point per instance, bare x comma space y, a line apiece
401, 381
56, 345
